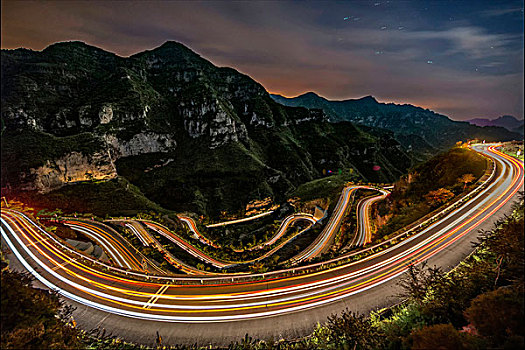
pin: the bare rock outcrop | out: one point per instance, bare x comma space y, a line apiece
72, 167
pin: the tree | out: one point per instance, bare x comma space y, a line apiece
354, 330
506, 244
258, 267
438, 197
441, 336
419, 280
498, 314
466, 179
33, 318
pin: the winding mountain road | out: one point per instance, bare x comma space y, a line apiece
364, 230
121, 252
288, 303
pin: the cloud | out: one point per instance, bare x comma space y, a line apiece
501, 12
472, 41
292, 48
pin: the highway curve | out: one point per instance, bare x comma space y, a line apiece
121, 252
217, 310
285, 224
364, 231
117, 247
188, 247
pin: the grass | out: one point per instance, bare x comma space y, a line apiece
512, 148
326, 186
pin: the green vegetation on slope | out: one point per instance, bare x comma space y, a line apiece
325, 186
223, 140
32, 318
22, 151
512, 149
420, 129
427, 187
115, 197
201, 181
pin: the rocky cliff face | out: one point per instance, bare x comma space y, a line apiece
140, 143
89, 114
72, 167
97, 165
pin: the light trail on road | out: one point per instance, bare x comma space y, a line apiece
237, 221
110, 247
211, 299
324, 240
364, 230
162, 230
148, 240
192, 226
117, 247
287, 222
285, 225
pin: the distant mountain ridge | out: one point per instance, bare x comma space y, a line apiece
508, 122
190, 135
414, 127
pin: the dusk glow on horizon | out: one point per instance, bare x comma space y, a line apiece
463, 59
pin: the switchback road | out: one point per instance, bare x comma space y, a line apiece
217, 310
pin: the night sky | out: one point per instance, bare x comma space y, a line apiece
462, 59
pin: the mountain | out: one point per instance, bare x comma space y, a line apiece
519, 129
414, 127
171, 126
506, 121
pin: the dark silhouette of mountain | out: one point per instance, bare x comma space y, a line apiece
189, 135
414, 127
519, 129
506, 121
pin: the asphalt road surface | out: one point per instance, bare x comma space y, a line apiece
217, 310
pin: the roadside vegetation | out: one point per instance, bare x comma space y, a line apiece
428, 187
33, 318
514, 149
